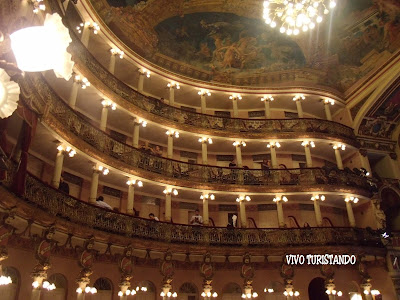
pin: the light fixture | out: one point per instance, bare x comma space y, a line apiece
318, 197
375, 292
174, 84
205, 140
243, 198
102, 169
142, 122
45, 285
279, 198
267, 98
308, 144
71, 152
204, 92
42, 48
91, 25
269, 290
9, 95
139, 183
172, 133
239, 143
169, 294
351, 199
273, 145
109, 103
299, 97
144, 71
5, 280
334, 292
249, 295
116, 51
87, 290
207, 196
209, 294
235, 97
291, 293
38, 5
329, 101
169, 191
339, 146
291, 16
83, 81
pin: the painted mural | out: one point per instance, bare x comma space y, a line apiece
238, 48
220, 41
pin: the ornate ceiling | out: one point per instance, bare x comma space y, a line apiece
228, 42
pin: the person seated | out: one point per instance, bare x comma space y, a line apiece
232, 164
153, 217
100, 203
196, 219
63, 186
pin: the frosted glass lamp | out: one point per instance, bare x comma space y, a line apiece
42, 48
9, 95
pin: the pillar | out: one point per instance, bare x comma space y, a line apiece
299, 109
203, 103
94, 186
111, 65
204, 155
274, 161
328, 111
74, 94
170, 147
141, 82
171, 95
239, 154
81, 284
36, 291
206, 218
168, 207
267, 110
136, 132
350, 214
242, 211
103, 119
235, 107
317, 210
338, 157
58, 168
308, 156
85, 34
279, 210
131, 199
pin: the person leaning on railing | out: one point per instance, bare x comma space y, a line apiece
196, 219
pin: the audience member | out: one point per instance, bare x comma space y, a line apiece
63, 186
153, 217
100, 203
196, 219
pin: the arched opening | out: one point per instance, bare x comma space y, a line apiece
104, 288
60, 293
231, 291
188, 291
150, 294
391, 207
10, 291
316, 289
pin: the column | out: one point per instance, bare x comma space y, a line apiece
238, 145
317, 209
81, 285
267, 100
365, 161
172, 86
327, 103
142, 74
104, 113
170, 147
206, 217
279, 209
136, 132
235, 98
338, 157
58, 167
203, 101
94, 186
168, 207
350, 214
87, 27
307, 151
242, 209
298, 99
114, 53
273, 146
74, 93
131, 197
204, 150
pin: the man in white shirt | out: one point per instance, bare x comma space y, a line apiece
100, 203
153, 217
196, 219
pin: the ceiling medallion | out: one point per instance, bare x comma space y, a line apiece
293, 16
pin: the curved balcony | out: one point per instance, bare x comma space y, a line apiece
79, 132
154, 110
65, 207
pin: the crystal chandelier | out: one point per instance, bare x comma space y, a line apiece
293, 16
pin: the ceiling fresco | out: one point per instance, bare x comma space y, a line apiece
227, 41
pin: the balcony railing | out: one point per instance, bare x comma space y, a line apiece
65, 120
218, 125
66, 207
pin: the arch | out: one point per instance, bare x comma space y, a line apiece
188, 288
316, 289
391, 207
11, 291
104, 288
61, 291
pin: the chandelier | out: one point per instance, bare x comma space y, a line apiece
293, 16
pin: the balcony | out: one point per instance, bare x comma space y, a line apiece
72, 210
154, 110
